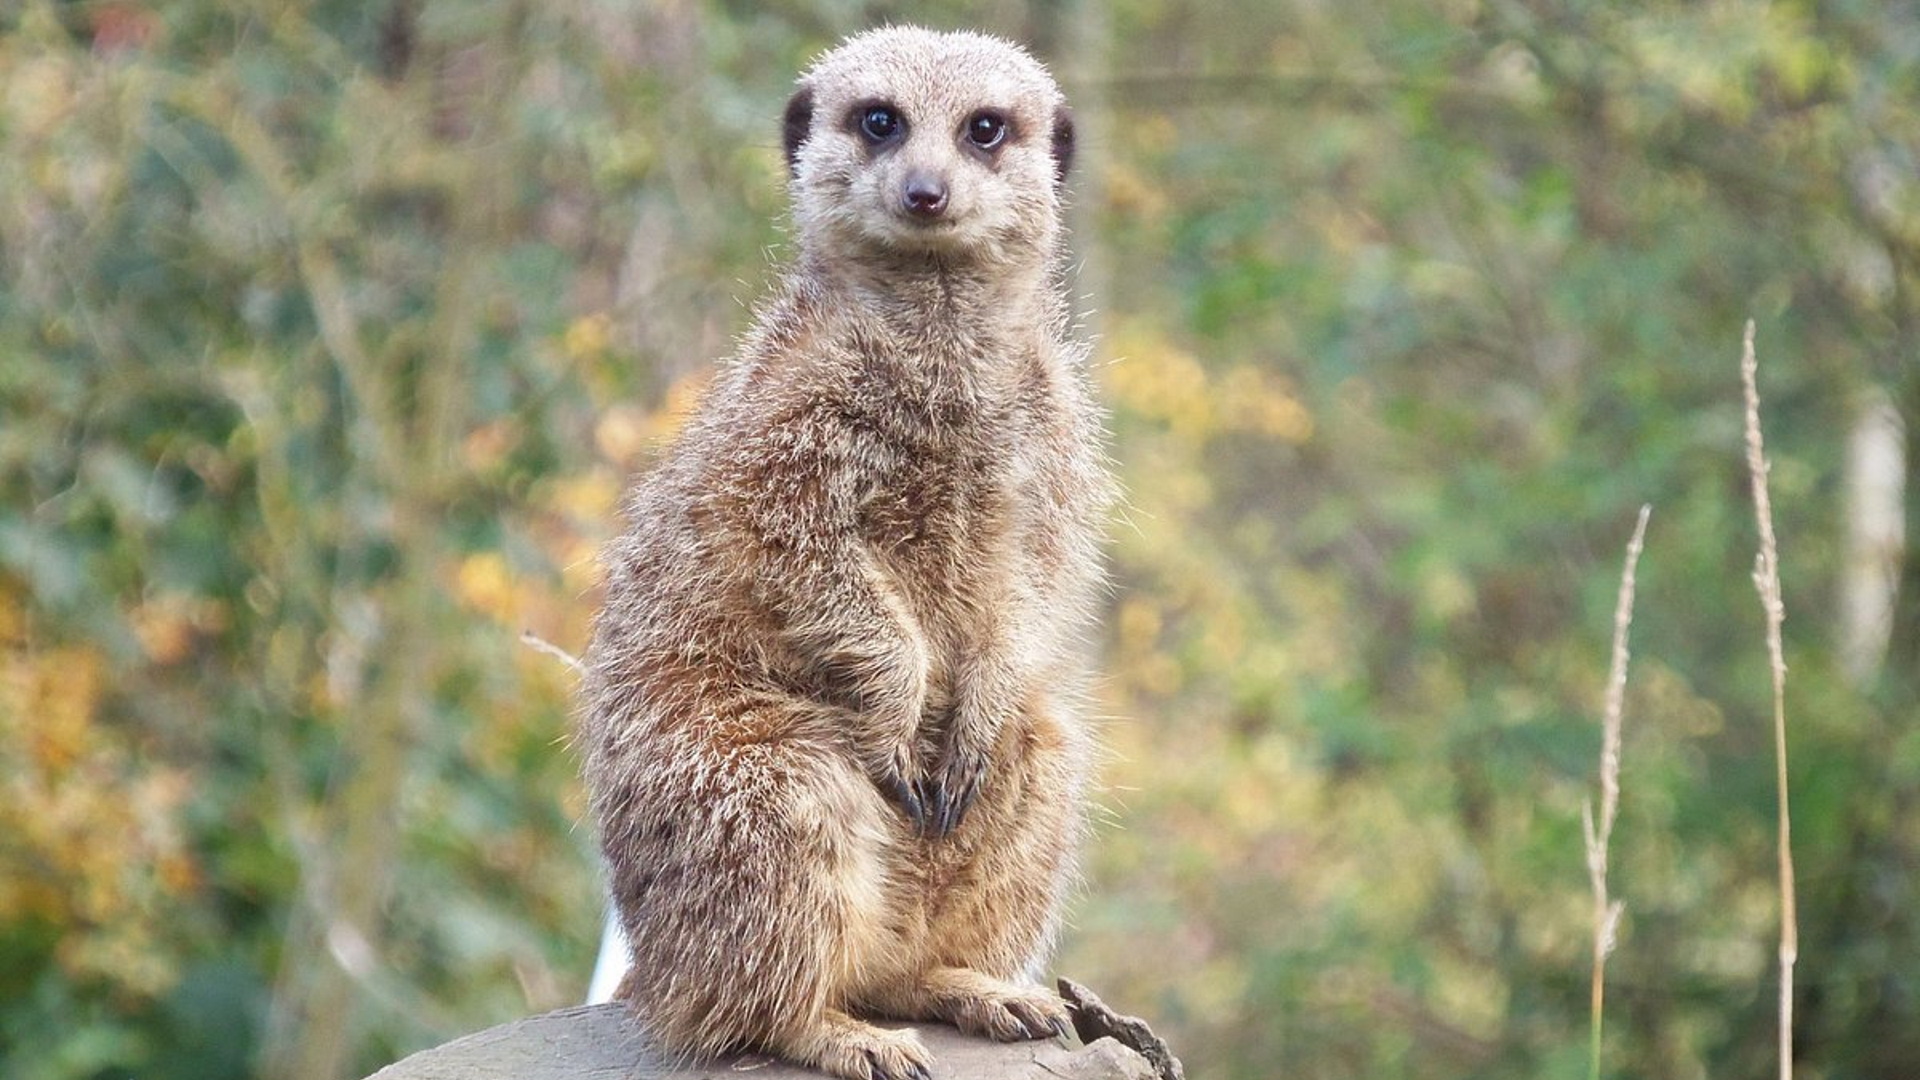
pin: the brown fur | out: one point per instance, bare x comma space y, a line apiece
831, 717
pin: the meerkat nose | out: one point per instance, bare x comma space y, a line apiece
924, 194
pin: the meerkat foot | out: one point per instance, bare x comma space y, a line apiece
981, 1005
857, 1050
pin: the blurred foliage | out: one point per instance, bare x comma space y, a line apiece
328, 331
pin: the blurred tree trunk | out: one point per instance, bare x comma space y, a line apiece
1875, 508
1903, 653
1901, 671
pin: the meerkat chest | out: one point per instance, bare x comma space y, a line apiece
965, 479
939, 507
950, 507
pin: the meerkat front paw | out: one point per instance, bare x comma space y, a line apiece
951, 788
897, 775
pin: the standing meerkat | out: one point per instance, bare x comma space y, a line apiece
831, 714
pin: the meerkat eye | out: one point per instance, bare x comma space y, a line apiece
879, 123
986, 130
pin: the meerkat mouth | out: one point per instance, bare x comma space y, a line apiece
943, 237
935, 225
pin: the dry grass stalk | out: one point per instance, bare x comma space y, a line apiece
1606, 912
541, 645
1766, 579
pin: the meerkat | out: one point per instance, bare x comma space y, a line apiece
832, 719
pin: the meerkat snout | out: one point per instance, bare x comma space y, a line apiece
924, 193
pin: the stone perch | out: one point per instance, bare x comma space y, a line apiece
598, 1042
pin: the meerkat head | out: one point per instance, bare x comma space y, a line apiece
909, 141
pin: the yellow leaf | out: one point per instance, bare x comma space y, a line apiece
485, 584
623, 432
588, 337
166, 627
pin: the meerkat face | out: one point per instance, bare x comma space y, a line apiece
911, 141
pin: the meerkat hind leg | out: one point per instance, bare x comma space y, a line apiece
980, 1004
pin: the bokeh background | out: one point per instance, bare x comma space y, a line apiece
329, 330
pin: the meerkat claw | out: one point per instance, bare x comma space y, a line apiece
957, 810
952, 794
880, 1071
909, 798
938, 809
1036, 1024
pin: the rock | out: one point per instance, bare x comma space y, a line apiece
1094, 1022
597, 1042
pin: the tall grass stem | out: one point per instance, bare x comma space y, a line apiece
1766, 579
1606, 911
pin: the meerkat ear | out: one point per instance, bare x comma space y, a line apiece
1062, 143
794, 128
